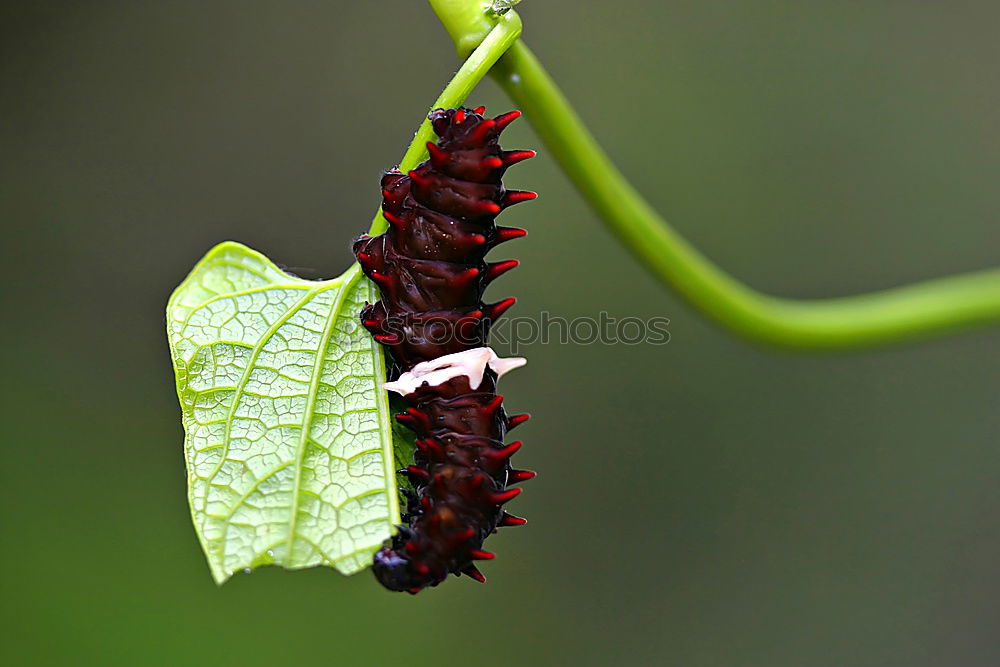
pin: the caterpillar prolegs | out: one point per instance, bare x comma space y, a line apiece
431, 271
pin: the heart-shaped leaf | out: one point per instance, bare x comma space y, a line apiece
287, 430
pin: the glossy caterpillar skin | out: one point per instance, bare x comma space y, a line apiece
431, 271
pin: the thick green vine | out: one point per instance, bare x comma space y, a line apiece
907, 312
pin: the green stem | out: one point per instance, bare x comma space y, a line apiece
894, 314
497, 40
901, 313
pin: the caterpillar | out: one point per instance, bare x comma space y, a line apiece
430, 269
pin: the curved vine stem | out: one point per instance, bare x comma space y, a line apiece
891, 315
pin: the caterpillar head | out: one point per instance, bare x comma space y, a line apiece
398, 573
392, 570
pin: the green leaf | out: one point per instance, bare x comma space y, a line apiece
287, 430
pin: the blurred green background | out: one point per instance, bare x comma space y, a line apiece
704, 503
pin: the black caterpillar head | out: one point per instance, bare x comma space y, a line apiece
395, 571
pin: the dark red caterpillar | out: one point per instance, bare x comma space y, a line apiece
430, 268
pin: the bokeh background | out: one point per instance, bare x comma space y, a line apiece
705, 503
